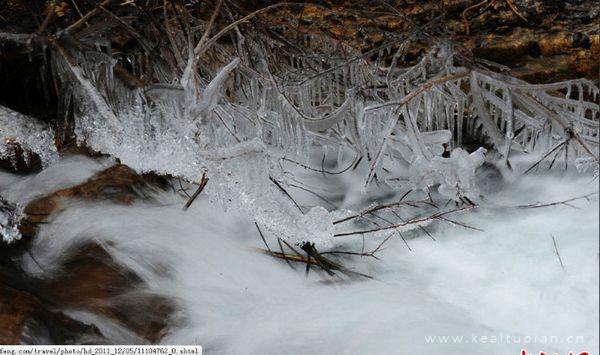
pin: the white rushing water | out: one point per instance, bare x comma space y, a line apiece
506, 281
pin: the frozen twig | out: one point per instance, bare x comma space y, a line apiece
200, 188
556, 203
378, 208
417, 221
562, 266
556, 147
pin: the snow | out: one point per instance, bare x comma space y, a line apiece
505, 281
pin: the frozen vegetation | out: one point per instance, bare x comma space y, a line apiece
442, 198
391, 124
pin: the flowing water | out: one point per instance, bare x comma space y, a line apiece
505, 281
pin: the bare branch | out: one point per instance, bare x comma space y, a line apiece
200, 188
419, 220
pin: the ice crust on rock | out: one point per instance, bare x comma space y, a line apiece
10, 217
30, 135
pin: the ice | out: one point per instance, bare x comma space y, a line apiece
400, 122
454, 175
28, 133
317, 227
588, 163
10, 217
210, 94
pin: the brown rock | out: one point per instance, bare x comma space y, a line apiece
15, 307
91, 280
27, 318
119, 184
23, 162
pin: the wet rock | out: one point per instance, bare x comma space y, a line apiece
10, 217
94, 282
91, 281
20, 161
118, 184
27, 318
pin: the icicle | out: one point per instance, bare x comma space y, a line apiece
428, 111
579, 111
459, 122
509, 116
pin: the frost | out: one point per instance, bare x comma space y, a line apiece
31, 136
10, 217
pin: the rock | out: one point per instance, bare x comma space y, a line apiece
26, 318
10, 218
22, 162
518, 37
93, 281
118, 184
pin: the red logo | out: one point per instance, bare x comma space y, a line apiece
524, 352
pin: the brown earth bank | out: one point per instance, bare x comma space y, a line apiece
540, 41
90, 280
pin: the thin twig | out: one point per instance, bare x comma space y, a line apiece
209, 26
201, 187
406, 99
410, 222
464, 15
262, 236
514, 9
282, 252
565, 202
87, 16
562, 266
49, 18
323, 170
285, 192
287, 257
202, 47
456, 223
377, 208
557, 146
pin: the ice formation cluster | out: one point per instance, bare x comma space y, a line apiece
31, 136
245, 122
